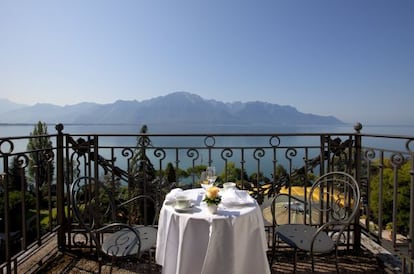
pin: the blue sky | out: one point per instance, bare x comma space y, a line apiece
353, 59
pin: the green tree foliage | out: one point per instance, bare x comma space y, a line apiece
280, 171
403, 195
254, 177
41, 163
196, 170
16, 181
234, 174
40, 166
17, 177
181, 173
170, 172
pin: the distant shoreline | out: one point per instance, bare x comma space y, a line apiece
351, 125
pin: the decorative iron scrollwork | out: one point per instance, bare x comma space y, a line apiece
209, 141
336, 148
3, 146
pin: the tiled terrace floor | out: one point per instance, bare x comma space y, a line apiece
71, 263
363, 262
49, 260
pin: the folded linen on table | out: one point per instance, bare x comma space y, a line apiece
171, 196
235, 197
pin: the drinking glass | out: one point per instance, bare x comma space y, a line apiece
211, 174
203, 180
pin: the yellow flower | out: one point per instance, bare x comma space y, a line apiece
212, 192
212, 196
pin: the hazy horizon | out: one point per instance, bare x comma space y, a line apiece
346, 123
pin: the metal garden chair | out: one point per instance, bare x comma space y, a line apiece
327, 213
118, 231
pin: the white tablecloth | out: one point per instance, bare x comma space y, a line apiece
198, 242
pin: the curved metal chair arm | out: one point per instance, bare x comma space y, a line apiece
334, 230
148, 201
122, 240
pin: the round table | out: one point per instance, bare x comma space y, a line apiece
196, 241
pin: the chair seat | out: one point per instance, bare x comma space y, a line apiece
300, 236
125, 243
148, 236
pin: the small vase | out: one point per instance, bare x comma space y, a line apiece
212, 208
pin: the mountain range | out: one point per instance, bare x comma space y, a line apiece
174, 108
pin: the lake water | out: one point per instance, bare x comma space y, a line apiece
24, 130
12, 130
8, 130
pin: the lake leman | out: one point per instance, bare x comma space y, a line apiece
9, 130
12, 130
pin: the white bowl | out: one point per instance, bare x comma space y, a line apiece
182, 201
229, 185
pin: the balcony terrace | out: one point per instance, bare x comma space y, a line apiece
38, 230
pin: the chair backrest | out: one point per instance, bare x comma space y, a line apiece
95, 205
91, 203
334, 198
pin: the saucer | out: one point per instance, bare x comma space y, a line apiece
184, 210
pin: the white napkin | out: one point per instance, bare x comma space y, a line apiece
235, 197
170, 197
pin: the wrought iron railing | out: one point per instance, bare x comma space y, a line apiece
35, 184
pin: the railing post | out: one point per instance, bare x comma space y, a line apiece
4, 183
411, 220
60, 187
358, 170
